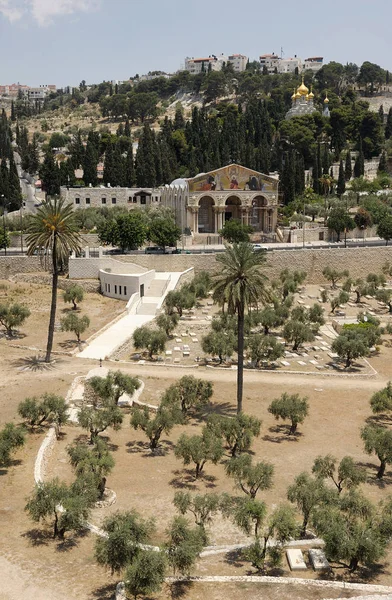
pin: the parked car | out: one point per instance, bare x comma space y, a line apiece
259, 247
159, 250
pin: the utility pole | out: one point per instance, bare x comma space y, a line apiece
4, 229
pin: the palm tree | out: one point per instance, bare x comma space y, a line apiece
239, 285
53, 231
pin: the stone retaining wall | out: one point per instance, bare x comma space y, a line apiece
88, 285
359, 261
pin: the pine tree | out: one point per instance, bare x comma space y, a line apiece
388, 127
341, 186
383, 164
348, 171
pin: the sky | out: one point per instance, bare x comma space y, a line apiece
62, 42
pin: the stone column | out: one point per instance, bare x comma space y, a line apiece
195, 210
220, 217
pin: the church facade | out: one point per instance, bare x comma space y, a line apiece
203, 203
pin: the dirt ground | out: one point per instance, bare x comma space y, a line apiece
100, 309
32, 565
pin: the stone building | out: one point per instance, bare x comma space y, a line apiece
203, 203
84, 197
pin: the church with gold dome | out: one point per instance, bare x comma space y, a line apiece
303, 103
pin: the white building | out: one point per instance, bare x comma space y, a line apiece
38, 93
270, 62
203, 65
99, 197
290, 65
313, 63
275, 64
239, 62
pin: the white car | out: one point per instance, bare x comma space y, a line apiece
259, 247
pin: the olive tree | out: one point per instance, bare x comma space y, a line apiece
334, 275
125, 532
381, 401
378, 441
96, 420
11, 438
183, 545
307, 493
237, 432
56, 501
345, 475
154, 424
49, 407
264, 348
167, 322
199, 449
153, 340
249, 477
95, 461
146, 574
75, 324
73, 294
202, 507
219, 343
290, 407
13, 316
297, 333
113, 386
188, 393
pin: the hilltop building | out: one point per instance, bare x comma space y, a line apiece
201, 204
215, 63
275, 64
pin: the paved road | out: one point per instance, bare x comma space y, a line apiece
28, 190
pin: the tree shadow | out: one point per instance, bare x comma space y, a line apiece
282, 434
71, 542
224, 409
138, 446
38, 537
70, 344
382, 420
16, 335
104, 592
235, 558
15, 462
184, 479
33, 363
179, 589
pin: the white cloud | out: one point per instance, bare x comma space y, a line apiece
44, 11
13, 13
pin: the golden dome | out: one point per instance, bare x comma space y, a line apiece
297, 95
326, 101
311, 95
293, 97
303, 90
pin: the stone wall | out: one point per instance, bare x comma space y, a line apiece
359, 261
12, 265
88, 239
88, 285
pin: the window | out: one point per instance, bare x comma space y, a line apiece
114, 200
142, 199
125, 290
109, 288
119, 290
103, 200
134, 199
77, 200
129, 198
115, 289
87, 200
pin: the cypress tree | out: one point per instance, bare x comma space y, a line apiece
76, 150
13, 116
388, 127
118, 177
383, 164
50, 175
348, 171
381, 114
288, 178
90, 164
359, 166
127, 129
316, 174
145, 159
129, 168
109, 170
299, 174
325, 162
341, 186
4, 179
15, 192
